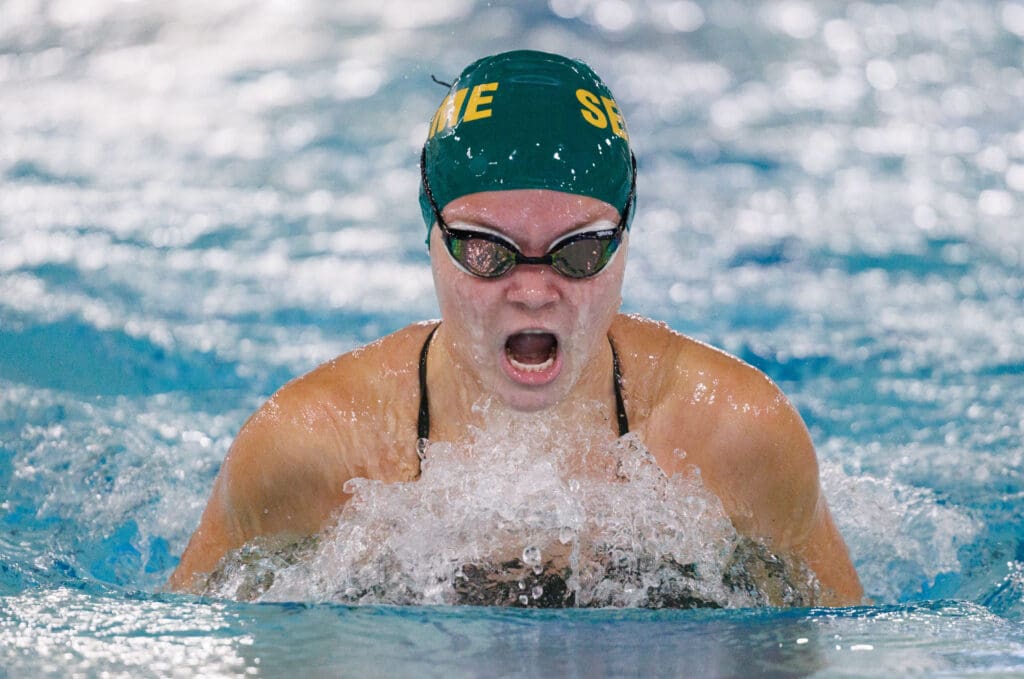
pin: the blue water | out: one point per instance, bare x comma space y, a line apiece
199, 202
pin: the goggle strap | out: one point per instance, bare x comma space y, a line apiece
430, 193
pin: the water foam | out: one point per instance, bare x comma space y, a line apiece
524, 515
902, 537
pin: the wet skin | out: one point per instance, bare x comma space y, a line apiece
480, 315
355, 416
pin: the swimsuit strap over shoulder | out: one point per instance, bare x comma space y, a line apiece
423, 422
620, 405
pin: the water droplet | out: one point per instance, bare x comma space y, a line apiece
531, 555
537, 591
538, 569
523, 599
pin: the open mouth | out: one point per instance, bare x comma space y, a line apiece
531, 351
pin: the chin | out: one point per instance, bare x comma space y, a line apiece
531, 400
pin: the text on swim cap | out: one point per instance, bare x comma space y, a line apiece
593, 114
448, 112
601, 112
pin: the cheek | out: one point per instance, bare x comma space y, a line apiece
600, 300
596, 307
464, 309
447, 283
454, 291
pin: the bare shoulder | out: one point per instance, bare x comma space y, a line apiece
365, 370
347, 418
285, 474
728, 418
749, 442
359, 397
678, 371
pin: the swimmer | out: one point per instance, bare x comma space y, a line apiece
528, 191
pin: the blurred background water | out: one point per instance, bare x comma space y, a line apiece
202, 200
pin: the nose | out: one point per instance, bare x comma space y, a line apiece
532, 286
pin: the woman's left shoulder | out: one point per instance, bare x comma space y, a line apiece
680, 376
653, 346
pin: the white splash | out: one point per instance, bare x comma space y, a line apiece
521, 516
901, 537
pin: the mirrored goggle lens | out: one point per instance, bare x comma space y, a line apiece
480, 256
583, 257
489, 256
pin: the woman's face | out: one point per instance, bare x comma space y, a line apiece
527, 336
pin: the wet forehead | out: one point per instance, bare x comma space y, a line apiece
529, 213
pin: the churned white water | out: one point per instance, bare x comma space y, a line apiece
520, 515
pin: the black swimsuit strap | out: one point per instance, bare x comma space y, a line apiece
423, 422
620, 405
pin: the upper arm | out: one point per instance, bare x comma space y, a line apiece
786, 500
762, 464
286, 470
280, 478
826, 554
217, 534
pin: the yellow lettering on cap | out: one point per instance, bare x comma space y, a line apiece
477, 98
591, 110
618, 123
448, 112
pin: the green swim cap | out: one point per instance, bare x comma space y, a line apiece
527, 120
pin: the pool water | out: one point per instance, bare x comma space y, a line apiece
201, 201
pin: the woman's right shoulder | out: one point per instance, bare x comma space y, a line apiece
350, 386
397, 349
343, 404
384, 364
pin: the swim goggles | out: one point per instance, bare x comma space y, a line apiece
488, 255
